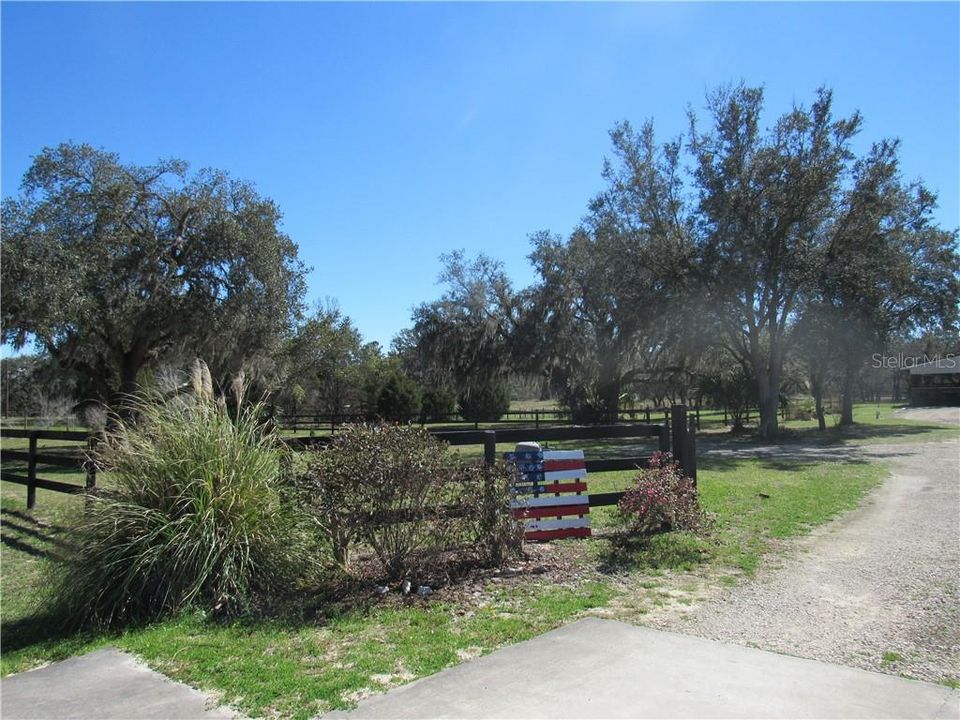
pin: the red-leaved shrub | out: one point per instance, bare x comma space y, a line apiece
663, 498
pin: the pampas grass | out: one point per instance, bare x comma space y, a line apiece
195, 516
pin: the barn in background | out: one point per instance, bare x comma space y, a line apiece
936, 383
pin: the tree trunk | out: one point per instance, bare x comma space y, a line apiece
846, 406
768, 406
816, 378
131, 362
766, 369
768, 400
610, 400
609, 389
821, 421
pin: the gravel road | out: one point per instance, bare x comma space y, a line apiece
878, 588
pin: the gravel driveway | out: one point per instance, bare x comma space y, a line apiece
878, 588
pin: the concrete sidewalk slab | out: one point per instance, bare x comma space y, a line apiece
103, 685
606, 669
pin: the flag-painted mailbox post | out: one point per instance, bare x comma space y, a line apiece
550, 493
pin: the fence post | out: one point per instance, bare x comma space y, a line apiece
698, 416
490, 446
690, 450
678, 432
664, 438
91, 464
536, 419
32, 472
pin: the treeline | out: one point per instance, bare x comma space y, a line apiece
739, 264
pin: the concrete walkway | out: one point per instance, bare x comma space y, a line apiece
102, 685
605, 669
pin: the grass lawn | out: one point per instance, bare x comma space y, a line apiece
308, 663
875, 423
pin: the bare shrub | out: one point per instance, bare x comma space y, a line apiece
54, 409
399, 491
96, 417
662, 498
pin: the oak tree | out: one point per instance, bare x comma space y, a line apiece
108, 265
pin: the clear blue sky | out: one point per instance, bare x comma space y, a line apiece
390, 133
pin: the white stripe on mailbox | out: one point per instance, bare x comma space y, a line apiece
551, 500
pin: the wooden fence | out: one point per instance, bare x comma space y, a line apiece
35, 456
529, 418
677, 436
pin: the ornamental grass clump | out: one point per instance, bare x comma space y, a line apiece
662, 498
193, 515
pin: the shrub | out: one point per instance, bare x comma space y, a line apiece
398, 398
662, 498
195, 516
485, 403
437, 403
489, 526
393, 488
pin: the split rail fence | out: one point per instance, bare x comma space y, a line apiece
38, 459
677, 436
328, 422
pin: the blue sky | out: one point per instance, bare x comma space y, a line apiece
391, 133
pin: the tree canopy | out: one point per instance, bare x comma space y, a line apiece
751, 256
773, 241
107, 265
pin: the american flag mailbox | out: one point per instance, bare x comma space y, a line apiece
550, 492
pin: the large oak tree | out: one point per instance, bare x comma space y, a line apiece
107, 265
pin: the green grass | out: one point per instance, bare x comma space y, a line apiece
303, 671
875, 423
801, 495
299, 668
889, 658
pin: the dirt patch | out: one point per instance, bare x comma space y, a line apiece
941, 415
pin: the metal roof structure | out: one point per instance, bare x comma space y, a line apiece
946, 366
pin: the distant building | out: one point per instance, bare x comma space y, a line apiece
936, 383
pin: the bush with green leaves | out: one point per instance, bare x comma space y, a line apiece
398, 398
662, 498
437, 403
398, 491
486, 402
194, 515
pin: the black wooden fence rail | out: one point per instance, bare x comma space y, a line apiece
678, 438
35, 456
533, 418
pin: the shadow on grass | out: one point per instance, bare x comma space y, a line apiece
780, 461
58, 471
812, 437
663, 551
46, 631
25, 547
28, 535
798, 449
